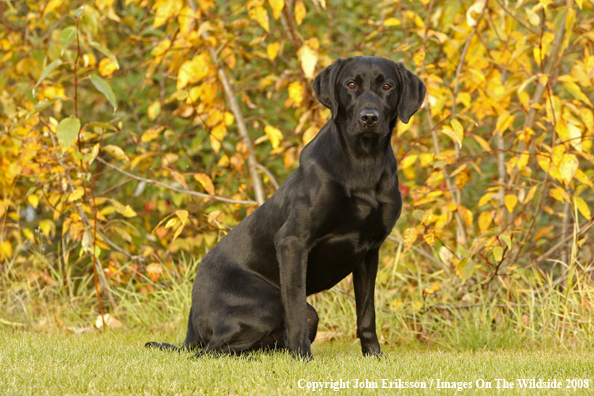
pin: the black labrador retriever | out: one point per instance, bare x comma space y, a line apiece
327, 220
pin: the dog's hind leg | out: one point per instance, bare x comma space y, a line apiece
276, 339
228, 339
193, 339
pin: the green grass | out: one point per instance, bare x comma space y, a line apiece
115, 362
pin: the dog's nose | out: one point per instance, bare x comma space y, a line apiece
369, 117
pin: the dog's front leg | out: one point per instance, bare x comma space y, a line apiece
364, 282
292, 259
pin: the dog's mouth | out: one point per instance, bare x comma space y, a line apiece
369, 133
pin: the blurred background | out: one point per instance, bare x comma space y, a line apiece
136, 133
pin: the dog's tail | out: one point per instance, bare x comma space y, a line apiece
163, 346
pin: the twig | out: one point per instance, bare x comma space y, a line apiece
270, 176
179, 190
562, 242
241, 125
421, 252
511, 14
461, 234
96, 263
540, 89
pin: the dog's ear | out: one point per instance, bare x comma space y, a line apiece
412, 94
324, 86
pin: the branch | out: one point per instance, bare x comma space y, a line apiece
460, 233
540, 88
179, 190
511, 14
422, 253
270, 176
97, 266
241, 125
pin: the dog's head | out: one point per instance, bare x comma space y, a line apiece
369, 94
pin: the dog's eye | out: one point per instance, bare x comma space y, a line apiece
387, 86
351, 85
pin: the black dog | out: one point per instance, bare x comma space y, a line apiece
327, 220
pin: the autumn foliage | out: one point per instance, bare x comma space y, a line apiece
135, 131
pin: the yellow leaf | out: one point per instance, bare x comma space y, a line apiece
475, 10
419, 57
482, 142
392, 22
76, 194
543, 231
48, 227
309, 134
153, 111
453, 135
510, 202
568, 167
206, 182
152, 133
576, 92
498, 253
504, 121
187, 19
229, 57
559, 194
165, 10
274, 134
466, 214
545, 3
154, 271
582, 206
300, 11
117, 152
258, 13
579, 3
562, 130
484, 221
558, 153
485, 199
33, 200
101, 4
296, 92
308, 58
407, 161
583, 178
51, 6
587, 119
523, 160
178, 177
216, 136
544, 162
575, 136
192, 71
426, 159
530, 195
228, 118
107, 67
430, 236
127, 211
272, 50
277, 7
409, 236
6, 249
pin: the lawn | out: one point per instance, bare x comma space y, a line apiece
115, 362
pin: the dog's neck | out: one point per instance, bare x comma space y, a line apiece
360, 160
